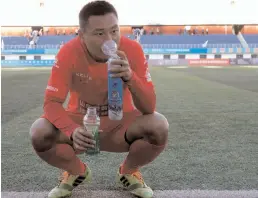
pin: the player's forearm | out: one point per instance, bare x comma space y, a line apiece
144, 96
57, 115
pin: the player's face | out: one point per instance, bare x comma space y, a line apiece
98, 30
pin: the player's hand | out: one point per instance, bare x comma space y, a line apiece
82, 140
121, 68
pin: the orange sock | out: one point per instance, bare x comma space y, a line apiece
82, 168
141, 153
124, 170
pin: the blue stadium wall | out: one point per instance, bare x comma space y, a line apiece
155, 56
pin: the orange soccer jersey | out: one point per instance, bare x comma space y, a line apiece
86, 80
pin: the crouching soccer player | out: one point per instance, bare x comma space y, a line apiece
81, 69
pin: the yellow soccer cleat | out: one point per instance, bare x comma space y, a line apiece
68, 182
135, 184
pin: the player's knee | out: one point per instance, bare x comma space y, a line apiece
43, 135
158, 129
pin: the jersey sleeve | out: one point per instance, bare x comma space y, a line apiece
141, 85
57, 90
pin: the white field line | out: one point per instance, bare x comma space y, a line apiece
157, 194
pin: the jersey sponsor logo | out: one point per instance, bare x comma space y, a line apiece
148, 75
52, 88
56, 63
84, 78
82, 75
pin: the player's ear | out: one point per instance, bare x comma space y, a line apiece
122, 55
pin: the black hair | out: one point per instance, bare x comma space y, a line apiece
95, 8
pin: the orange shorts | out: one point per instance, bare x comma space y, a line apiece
112, 138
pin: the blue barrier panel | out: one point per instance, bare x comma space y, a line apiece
146, 51
51, 51
175, 51
27, 63
22, 51
198, 51
231, 50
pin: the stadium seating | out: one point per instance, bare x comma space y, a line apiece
54, 40
15, 40
149, 41
197, 39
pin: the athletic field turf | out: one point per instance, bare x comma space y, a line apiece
213, 137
